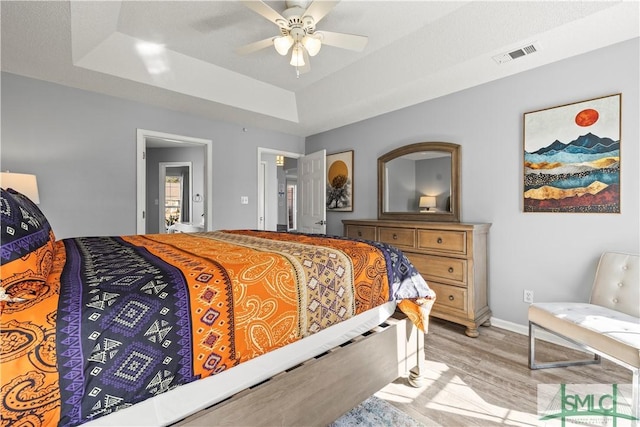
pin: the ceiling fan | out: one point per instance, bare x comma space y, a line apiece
298, 32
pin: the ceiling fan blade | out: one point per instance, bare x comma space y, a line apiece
255, 46
319, 9
343, 40
266, 11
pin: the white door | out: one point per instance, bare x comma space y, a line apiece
312, 197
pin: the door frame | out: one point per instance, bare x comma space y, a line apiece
261, 183
141, 170
262, 211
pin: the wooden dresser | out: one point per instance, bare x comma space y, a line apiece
451, 256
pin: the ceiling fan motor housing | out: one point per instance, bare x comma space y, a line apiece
296, 25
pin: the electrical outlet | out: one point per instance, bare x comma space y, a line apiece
527, 296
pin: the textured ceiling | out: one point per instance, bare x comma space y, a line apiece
417, 50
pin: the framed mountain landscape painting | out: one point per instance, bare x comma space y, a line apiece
572, 157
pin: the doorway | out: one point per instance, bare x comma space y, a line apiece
277, 170
148, 139
309, 199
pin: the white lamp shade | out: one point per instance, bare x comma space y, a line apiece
428, 202
312, 45
297, 56
282, 44
21, 182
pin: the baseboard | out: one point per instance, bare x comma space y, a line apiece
524, 330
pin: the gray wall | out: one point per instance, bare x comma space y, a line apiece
82, 148
401, 191
552, 254
433, 178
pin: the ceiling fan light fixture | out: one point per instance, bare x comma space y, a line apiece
312, 45
297, 56
282, 44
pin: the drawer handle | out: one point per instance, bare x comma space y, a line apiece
359, 233
450, 270
395, 236
451, 298
439, 241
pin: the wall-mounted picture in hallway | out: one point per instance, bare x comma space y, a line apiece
340, 182
572, 157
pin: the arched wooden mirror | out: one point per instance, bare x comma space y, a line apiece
420, 182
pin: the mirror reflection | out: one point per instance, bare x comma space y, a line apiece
418, 182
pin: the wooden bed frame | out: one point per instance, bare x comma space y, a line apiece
320, 390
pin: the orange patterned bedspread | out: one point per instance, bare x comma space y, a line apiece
121, 319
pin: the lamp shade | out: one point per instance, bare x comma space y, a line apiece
312, 45
21, 182
282, 44
297, 56
427, 201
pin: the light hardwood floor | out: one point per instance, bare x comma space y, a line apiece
486, 381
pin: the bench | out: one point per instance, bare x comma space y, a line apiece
608, 326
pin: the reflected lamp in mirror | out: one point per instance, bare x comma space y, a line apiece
21, 182
426, 203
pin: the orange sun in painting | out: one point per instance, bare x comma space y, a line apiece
337, 168
587, 117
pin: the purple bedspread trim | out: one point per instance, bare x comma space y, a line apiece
183, 313
70, 338
114, 269
14, 250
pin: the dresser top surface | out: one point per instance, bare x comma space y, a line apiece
419, 224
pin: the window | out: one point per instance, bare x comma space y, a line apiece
172, 199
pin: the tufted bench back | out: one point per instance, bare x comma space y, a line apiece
617, 283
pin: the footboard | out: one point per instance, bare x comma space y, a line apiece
325, 387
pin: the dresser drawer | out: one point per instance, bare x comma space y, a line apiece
440, 268
439, 240
449, 296
361, 232
397, 236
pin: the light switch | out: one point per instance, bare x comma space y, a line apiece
244, 200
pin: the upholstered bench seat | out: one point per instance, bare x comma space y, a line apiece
608, 326
611, 332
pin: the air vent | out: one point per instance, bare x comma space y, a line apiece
517, 53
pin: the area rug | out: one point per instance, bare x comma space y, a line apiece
375, 412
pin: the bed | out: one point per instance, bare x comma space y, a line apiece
198, 328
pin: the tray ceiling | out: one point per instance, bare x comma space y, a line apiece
181, 55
